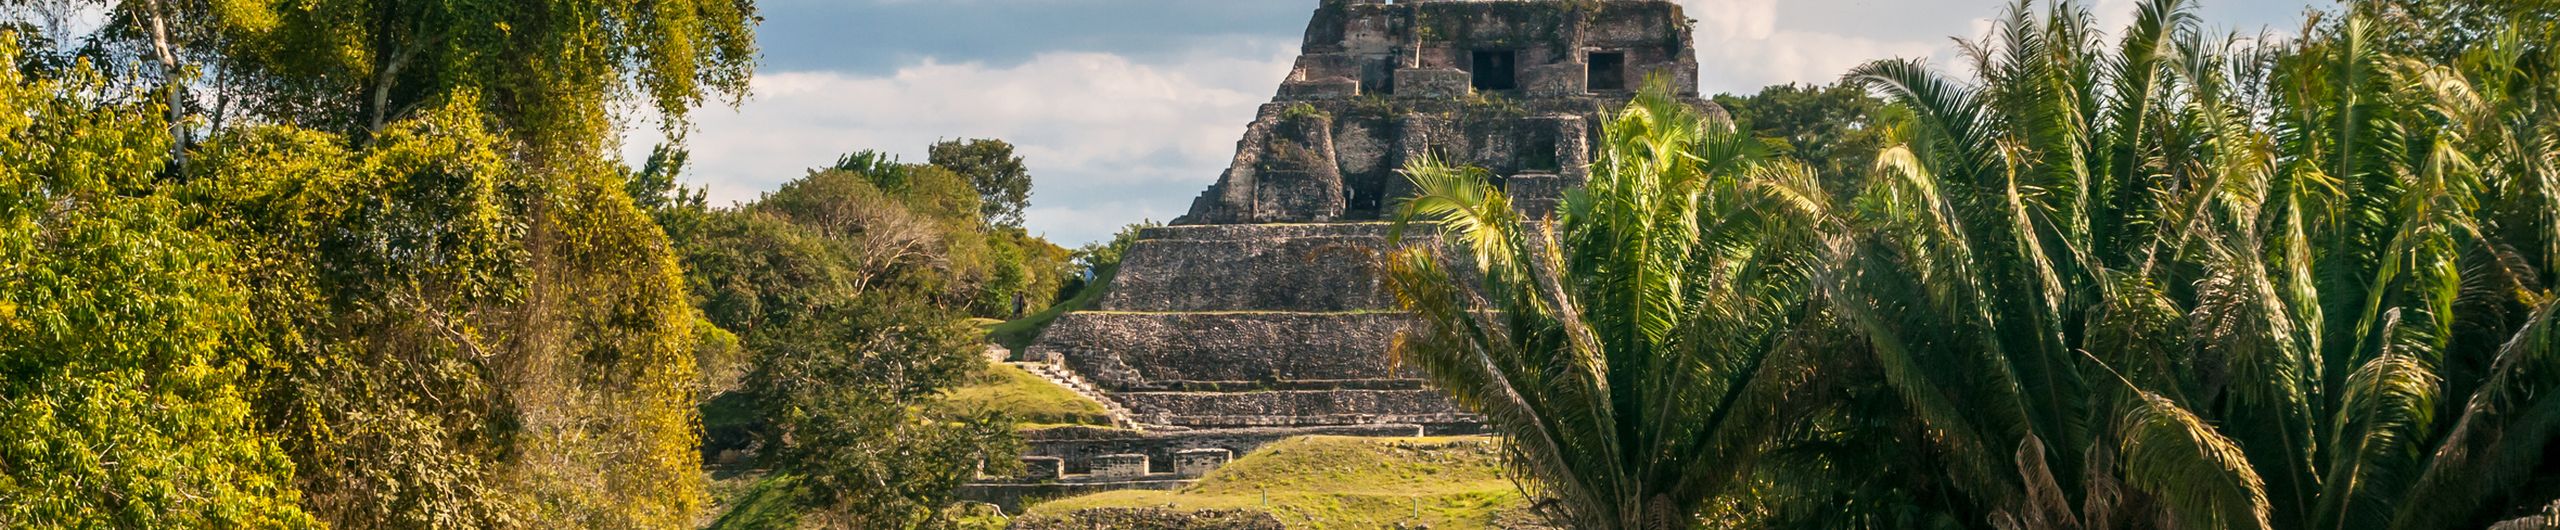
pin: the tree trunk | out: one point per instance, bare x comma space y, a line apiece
168, 57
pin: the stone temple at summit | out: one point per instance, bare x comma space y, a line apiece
1256, 316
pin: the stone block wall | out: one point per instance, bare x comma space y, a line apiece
1120, 466
1398, 79
1198, 462
1275, 408
1432, 83
1230, 351
1078, 447
1042, 468
1250, 268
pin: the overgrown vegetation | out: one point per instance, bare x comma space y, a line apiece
850, 290
2144, 279
377, 276
1095, 264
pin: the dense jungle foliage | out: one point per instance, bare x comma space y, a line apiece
374, 264
2153, 278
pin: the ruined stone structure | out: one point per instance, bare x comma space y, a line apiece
1256, 316
1515, 87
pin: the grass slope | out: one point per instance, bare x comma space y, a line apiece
1030, 400
1018, 334
755, 501
1330, 482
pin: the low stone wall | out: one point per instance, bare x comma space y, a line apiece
1287, 267
1197, 462
1152, 519
1290, 407
1242, 351
1079, 447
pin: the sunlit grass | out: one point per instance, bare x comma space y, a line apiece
1329, 482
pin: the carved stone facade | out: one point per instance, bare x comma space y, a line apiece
1515, 87
1257, 315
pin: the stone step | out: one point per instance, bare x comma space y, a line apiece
1274, 267
1293, 408
1120, 415
1130, 351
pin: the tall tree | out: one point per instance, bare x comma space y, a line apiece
1004, 185
842, 291
1836, 128
125, 403
470, 324
2189, 283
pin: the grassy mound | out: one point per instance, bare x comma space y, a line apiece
1033, 401
1328, 482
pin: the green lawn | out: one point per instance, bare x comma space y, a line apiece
1329, 482
1031, 400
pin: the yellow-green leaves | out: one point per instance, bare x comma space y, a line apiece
126, 404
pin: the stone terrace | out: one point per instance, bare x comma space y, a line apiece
1257, 316
1273, 325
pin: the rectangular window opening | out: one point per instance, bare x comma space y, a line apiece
1494, 70
1608, 71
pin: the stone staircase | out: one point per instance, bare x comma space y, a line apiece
1059, 375
1248, 326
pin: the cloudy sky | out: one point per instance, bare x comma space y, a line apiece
1126, 109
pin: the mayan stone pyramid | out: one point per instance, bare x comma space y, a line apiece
1259, 309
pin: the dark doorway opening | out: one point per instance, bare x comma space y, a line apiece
1608, 71
1494, 70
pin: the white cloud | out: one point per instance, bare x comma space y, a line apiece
1742, 46
1109, 140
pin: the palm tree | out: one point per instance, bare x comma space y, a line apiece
2200, 285
1637, 350
2002, 270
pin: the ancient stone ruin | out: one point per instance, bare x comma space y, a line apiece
1256, 316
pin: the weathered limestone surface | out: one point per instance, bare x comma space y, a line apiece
1257, 316
1239, 351
1120, 466
1296, 407
1076, 447
1307, 267
1512, 86
1260, 307
1197, 462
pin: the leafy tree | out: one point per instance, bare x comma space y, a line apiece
654, 188
1003, 184
125, 403
1094, 263
883, 169
844, 398
2183, 284
849, 297
1028, 274
1838, 128
1636, 354
466, 322
498, 346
